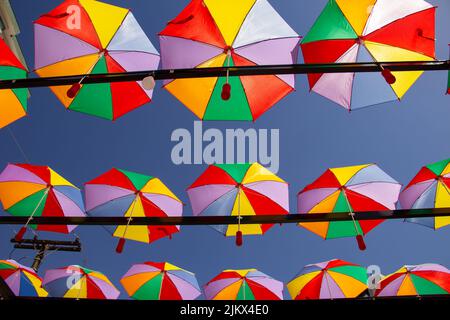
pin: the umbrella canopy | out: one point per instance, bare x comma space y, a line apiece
248, 284
348, 189
94, 38
365, 31
160, 281
214, 33
430, 188
418, 280
23, 281
239, 190
332, 279
14, 101
125, 193
79, 283
38, 191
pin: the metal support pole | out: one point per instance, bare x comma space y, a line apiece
229, 220
230, 71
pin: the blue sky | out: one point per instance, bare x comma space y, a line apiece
315, 134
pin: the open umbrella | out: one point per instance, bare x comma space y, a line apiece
213, 33
92, 37
332, 279
160, 281
38, 191
239, 190
430, 188
247, 284
14, 101
79, 283
348, 189
125, 193
23, 281
424, 279
366, 31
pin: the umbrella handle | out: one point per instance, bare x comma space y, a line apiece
20, 234
239, 239
120, 245
361, 244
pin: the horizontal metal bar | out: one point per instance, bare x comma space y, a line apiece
38, 242
222, 72
47, 248
227, 220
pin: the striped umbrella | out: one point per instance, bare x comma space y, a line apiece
424, 279
430, 188
80, 283
160, 281
14, 101
124, 193
348, 189
239, 190
38, 191
23, 281
349, 31
212, 33
332, 279
93, 37
247, 284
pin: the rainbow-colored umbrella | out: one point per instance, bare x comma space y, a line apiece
160, 281
14, 101
92, 37
334, 279
38, 191
215, 33
365, 31
430, 188
420, 280
79, 283
23, 281
125, 193
247, 284
239, 190
348, 189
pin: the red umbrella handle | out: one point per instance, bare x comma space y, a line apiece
20, 234
361, 243
239, 239
120, 245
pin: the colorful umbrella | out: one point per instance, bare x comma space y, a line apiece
365, 31
38, 191
92, 37
430, 188
14, 101
79, 283
160, 281
418, 280
348, 189
213, 33
332, 279
23, 281
239, 190
125, 193
248, 284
